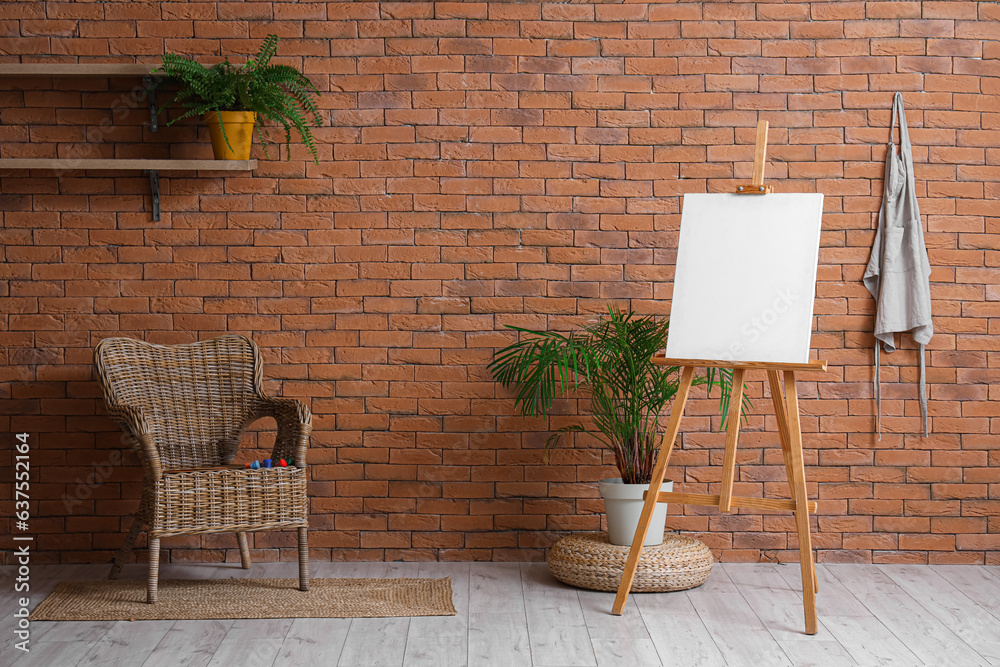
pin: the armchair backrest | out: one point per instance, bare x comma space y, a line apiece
195, 399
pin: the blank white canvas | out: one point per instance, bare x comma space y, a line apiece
746, 277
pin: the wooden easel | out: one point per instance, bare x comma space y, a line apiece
781, 376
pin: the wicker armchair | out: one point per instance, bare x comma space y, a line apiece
186, 407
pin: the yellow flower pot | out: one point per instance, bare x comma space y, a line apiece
239, 131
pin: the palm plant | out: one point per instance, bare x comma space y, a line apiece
610, 360
278, 93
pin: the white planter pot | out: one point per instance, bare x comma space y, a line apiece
623, 505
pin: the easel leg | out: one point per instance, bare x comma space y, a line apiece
666, 447
797, 480
732, 435
777, 398
774, 379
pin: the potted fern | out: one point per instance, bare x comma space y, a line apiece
235, 99
610, 361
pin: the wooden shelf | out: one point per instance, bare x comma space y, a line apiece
79, 69
150, 82
70, 164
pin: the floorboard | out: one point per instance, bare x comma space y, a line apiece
498, 640
245, 651
127, 643
557, 630
835, 599
375, 642
617, 640
251, 643
849, 622
739, 634
498, 627
49, 654
816, 653
512, 614
343, 570
441, 641
313, 641
495, 588
393, 570
956, 611
977, 584
917, 628
77, 631
677, 630
189, 644
43, 579
869, 642
776, 604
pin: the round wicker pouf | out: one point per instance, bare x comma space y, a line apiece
588, 560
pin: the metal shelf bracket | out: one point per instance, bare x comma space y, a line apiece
149, 83
154, 185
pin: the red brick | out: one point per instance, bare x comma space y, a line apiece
512, 163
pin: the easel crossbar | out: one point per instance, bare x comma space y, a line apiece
816, 365
708, 500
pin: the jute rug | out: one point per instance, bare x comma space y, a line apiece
195, 599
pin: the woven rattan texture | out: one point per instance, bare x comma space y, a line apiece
186, 599
241, 500
589, 560
186, 408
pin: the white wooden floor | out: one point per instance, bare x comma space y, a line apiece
512, 614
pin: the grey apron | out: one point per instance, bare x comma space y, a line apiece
898, 272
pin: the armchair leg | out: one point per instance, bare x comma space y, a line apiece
154, 569
121, 558
241, 537
303, 559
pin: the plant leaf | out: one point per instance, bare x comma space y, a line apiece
610, 361
279, 94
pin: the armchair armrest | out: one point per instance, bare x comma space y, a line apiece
294, 426
133, 422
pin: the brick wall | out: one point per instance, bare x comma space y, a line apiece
484, 165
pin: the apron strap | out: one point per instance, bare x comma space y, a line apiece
878, 392
899, 117
923, 391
